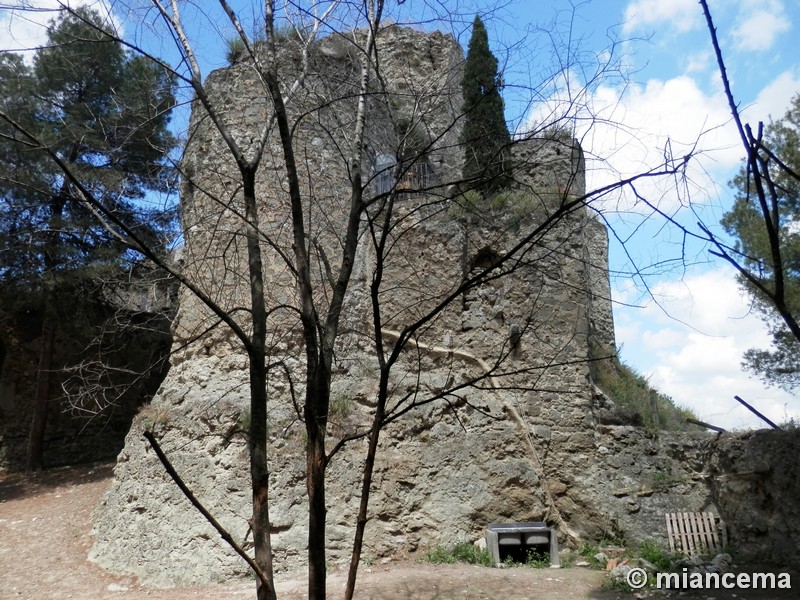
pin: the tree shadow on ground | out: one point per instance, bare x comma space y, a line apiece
19, 485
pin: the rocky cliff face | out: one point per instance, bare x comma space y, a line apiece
755, 480
526, 448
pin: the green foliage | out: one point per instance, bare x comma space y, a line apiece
341, 406
84, 119
745, 222
631, 393
485, 134
510, 207
647, 550
244, 421
537, 559
235, 49
778, 366
515, 202
104, 115
662, 479
618, 585
290, 32
465, 205
588, 551
655, 554
568, 558
463, 552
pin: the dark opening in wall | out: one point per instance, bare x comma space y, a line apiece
526, 553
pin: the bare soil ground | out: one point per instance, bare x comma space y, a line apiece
45, 524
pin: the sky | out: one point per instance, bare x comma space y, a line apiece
684, 324
687, 330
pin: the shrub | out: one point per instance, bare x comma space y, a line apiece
340, 407
537, 559
465, 205
235, 49
463, 552
656, 555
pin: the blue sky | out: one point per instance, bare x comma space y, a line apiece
688, 330
688, 327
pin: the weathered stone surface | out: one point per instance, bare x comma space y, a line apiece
446, 469
756, 481
531, 450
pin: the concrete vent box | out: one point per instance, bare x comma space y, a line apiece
535, 533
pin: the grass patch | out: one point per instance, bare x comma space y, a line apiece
511, 207
341, 406
463, 552
152, 418
538, 559
656, 555
632, 395
235, 49
588, 551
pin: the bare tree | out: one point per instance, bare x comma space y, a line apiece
311, 186
770, 188
129, 349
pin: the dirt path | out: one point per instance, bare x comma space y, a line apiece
45, 537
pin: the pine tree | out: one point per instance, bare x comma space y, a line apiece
485, 135
778, 176
103, 114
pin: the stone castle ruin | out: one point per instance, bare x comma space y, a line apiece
528, 448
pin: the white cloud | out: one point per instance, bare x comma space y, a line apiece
760, 24
662, 116
626, 133
681, 15
694, 353
774, 99
23, 24
699, 62
628, 129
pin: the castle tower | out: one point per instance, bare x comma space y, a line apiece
498, 451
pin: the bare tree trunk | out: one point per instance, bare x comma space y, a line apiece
317, 401
366, 484
45, 370
42, 397
259, 467
259, 475
317, 365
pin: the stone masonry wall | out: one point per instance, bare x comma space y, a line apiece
75, 432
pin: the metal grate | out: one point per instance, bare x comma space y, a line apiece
415, 181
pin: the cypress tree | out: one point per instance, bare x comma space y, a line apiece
485, 135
